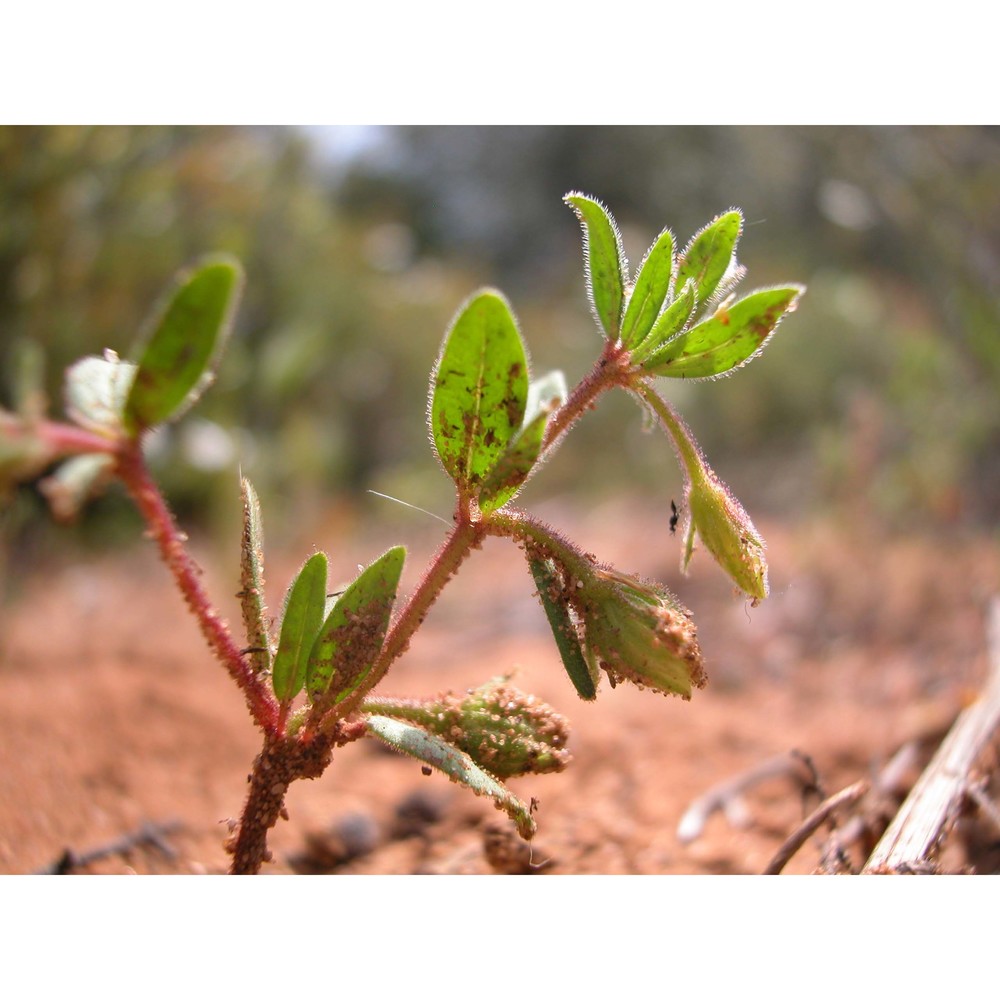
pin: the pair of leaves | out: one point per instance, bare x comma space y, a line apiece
487, 420
654, 320
186, 335
331, 652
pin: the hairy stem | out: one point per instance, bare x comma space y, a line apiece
528, 530
683, 440
610, 369
278, 764
60, 439
467, 535
71, 440
132, 471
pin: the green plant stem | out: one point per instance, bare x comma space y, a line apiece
528, 530
611, 369
132, 471
467, 535
687, 450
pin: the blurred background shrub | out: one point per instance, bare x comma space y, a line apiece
879, 398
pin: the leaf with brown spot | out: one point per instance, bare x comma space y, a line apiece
479, 389
351, 637
188, 332
515, 465
727, 339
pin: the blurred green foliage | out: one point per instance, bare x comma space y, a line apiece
316, 390
885, 388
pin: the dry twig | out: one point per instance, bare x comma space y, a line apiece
932, 805
153, 834
846, 796
727, 795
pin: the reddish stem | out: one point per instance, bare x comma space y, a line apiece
467, 535
611, 368
60, 439
163, 528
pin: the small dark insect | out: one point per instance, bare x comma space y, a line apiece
673, 517
425, 771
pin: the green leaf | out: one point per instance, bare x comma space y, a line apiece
707, 257
458, 765
302, 620
550, 585
188, 332
727, 339
479, 389
652, 285
515, 465
252, 581
604, 260
672, 320
96, 390
350, 639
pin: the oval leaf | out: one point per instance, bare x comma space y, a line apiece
583, 674
707, 257
459, 766
479, 389
350, 639
252, 581
517, 462
728, 339
604, 261
672, 320
652, 286
188, 332
302, 619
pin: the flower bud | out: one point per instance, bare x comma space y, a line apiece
714, 514
505, 731
726, 530
638, 631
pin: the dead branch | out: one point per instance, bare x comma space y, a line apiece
727, 795
153, 834
846, 796
933, 804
